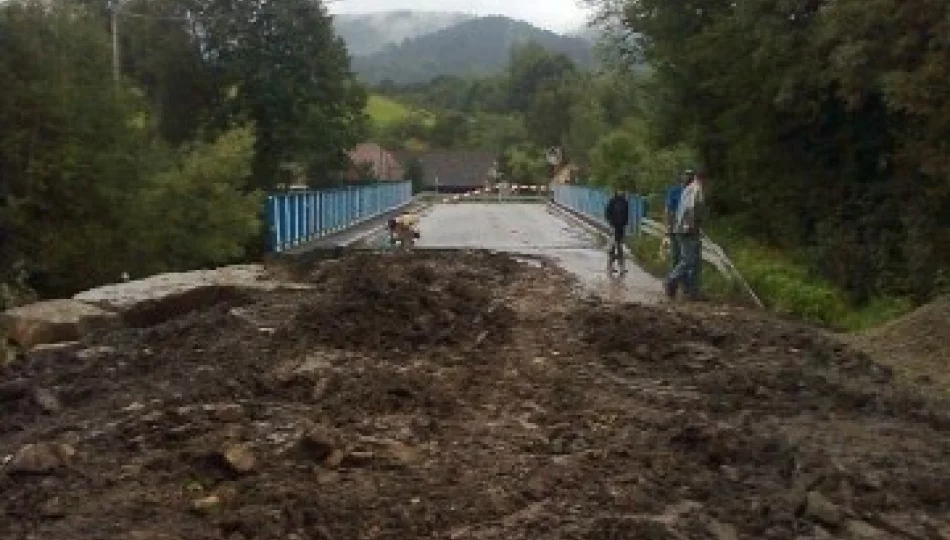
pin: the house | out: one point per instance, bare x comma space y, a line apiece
373, 159
566, 175
453, 171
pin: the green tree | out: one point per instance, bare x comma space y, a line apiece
548, 120
72, 146
198, 212
531, 69
524, 164
450, 130
825, 135
281, 66
415, 173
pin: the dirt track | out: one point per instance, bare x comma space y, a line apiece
352, 413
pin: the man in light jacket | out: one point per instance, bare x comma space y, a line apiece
687, 227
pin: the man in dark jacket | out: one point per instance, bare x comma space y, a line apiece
617, 214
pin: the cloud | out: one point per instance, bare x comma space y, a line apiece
552, 14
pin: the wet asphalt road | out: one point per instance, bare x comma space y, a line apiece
533, 229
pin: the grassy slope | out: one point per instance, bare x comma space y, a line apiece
385, 111
783, 283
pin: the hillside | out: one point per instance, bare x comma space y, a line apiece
369, 33
384, 111
472, 48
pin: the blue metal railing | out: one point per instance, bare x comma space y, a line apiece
296, 217
592, 201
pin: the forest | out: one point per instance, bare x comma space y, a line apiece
153, 154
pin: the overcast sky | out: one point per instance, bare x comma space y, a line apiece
552, 14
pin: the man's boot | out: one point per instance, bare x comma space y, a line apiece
670, 288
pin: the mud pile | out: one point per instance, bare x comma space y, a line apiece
399, 303
915, 345
291, 415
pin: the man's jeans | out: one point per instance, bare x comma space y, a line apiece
686, 271
674, 250
616, 249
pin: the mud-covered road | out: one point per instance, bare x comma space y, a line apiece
535, 229
465, 396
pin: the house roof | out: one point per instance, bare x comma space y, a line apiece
459, 168
385, 165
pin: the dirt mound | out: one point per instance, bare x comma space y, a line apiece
915, 345
289, 415
399, 303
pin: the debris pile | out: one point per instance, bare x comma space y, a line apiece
344, 411
399, 303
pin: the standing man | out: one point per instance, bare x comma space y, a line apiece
617, 214
687, 227
673, 196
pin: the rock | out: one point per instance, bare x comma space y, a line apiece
861, 530
8, 352
159, 298
821, 509
390, 449
95, 352
41, 458
133, 407
153, 417
52, 508
14, 389
357, 459
872, 480
69, 346
54, 321
723, 531
47, 400
319, 443
335, 459
206, 505
239, 458
228, 412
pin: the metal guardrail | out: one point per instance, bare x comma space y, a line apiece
592, 201
713, 254
296, 217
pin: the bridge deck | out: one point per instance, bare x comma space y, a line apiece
532, 229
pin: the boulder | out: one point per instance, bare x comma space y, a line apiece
861, 530
239, 458
47, 400
53, 321
319, 443
818, 507
41, 458
206, 505
159, 298
723, 531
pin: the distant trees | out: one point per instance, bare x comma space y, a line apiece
415, 173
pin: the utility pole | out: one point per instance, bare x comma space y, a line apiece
114, 9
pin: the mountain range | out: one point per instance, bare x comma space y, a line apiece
416, 46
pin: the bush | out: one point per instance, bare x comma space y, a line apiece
198, 213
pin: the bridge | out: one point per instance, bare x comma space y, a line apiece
559, 223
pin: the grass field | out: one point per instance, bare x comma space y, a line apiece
384, 111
